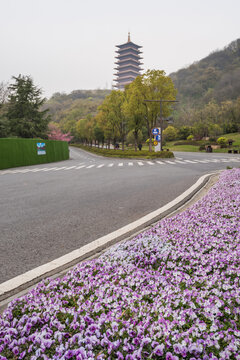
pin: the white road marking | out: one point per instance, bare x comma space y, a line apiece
140, 163
130, 164
99, 166
61, 168
190, 161
160, 162
110, 165
69, 168
120, 164
80, 167
150, 162
179, 161
170, 162
90, 166
48, 169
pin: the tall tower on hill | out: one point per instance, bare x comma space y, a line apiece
128, 63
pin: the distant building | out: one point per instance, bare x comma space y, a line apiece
128, 63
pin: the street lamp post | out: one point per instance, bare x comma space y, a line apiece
161, 117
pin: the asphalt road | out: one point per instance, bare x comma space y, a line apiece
49, 210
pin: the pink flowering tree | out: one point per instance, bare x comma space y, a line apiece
56, 134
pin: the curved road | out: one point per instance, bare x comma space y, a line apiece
49, 210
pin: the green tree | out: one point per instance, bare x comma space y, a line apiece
184, 132
24, 114
134, 108
155, 85
113, 114
170, 133
4, 122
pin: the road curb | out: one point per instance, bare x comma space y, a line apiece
20, 284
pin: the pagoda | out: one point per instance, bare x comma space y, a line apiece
128, 63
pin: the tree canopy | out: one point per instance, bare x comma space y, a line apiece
26, 119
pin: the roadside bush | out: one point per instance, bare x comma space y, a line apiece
222, 141
190, 137
127, 153
170, 133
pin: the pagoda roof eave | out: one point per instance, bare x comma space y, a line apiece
127, 43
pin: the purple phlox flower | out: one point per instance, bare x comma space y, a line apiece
119, 355
170, 356
158, 350
22, 355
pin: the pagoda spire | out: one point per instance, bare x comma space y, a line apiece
128, 63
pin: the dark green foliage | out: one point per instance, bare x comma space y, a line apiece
22, 152
184, 132
127, 153
24, 115
217, 77
67, 109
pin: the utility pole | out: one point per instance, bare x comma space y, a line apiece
161, 116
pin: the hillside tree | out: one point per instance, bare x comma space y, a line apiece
24, 109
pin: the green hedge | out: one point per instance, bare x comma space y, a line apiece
127, 153
21, 152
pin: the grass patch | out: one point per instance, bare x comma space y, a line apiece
129, 154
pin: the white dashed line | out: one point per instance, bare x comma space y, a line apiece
120, 164
179, 162
80, 167
110, 165
170, 162
150, 163
90, 166
130, 164
99, 166
140, 163
190, 162
160, 162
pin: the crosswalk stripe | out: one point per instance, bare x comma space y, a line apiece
170, 162
120, 164
80, 167
140, 163
70, 167
179, 161
150, 162
190, 161
99, 166
90, 166
234, 160
160, 162
130, 164
110, 165
61, 168
48, 169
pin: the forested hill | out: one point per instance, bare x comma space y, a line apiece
216, 77
67, 109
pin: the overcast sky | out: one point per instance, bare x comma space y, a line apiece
67, 45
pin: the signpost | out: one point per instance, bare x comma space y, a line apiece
41, 149
155, 131
161, 101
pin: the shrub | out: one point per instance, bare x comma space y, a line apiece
170, 133
222, 141
190, 137
127, 153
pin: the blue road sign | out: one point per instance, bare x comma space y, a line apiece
155, 131
158, 137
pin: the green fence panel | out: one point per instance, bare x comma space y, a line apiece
22, 152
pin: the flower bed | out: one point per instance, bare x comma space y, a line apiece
171, 293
